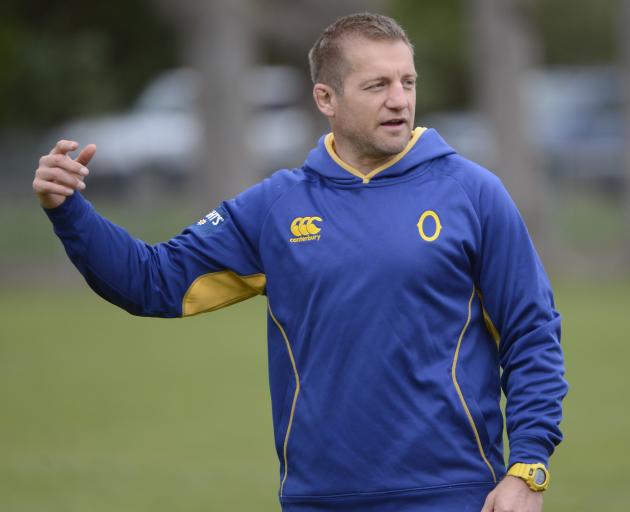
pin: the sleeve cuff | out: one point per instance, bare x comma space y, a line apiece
69, 213
529, 450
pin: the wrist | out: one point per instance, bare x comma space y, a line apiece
50, 201
536, 476
530, 450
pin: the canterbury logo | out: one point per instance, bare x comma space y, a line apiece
304, 229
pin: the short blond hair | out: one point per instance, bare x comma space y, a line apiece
326, 58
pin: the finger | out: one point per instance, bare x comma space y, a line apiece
63, 162
64, 146
48, 187
86, 154
488, 505
57, 175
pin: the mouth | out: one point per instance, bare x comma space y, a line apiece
395, 123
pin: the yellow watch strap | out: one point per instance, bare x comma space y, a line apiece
521, 470
527, 472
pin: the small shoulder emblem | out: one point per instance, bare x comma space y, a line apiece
211, 221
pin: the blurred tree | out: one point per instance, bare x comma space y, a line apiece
623, 37
504, 48
219, 42
438, 31
222, 38
66, 58
579, 32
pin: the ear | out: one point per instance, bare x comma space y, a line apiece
325, 99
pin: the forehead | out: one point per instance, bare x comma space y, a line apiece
366, 56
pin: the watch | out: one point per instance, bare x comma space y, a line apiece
535, 476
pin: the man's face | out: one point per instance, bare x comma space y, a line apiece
375, 111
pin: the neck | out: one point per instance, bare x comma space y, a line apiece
361, 162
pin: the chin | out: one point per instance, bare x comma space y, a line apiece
396, 142
395, 146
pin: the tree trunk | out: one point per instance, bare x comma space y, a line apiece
503, 50
223, 51
220, 38
218, 41
624, 50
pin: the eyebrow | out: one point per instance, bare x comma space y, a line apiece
369, 81
386, 79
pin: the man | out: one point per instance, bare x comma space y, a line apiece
400, 278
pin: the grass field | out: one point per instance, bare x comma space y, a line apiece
101, 411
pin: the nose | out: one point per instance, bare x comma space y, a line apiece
397, 97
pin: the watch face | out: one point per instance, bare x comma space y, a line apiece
540, 477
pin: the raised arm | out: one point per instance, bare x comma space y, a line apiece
211, 264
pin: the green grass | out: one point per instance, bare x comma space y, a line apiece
27, 233
588, 470
101, 411
587, 218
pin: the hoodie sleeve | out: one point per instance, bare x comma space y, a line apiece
518, 298
211, 264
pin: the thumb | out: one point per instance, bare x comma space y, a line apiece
488, 505
86, 154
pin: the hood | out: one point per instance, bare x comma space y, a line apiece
425, 145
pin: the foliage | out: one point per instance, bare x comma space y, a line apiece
438, 32
578, 32
69, 57
570, 33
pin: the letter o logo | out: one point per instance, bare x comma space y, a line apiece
438, 226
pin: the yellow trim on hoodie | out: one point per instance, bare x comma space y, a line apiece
216, 290
459, 391
329, 142
295, 397
494, 332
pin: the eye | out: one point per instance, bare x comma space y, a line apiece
409, 83
375, 86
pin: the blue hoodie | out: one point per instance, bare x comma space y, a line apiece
393, 301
